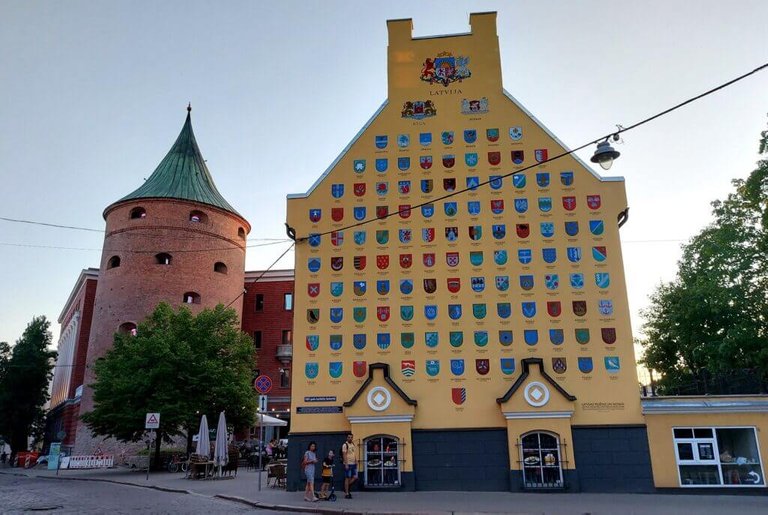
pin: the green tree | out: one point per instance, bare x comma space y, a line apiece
180, 365
713, 317
25, 371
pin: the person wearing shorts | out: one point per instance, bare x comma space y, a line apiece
349, 458
327, 475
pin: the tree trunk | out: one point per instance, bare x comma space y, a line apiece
158, 440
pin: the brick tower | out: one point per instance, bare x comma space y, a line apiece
175, 239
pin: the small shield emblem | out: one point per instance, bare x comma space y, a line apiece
518, 181
406, 286
359, 237
359, 189
446, 137
449, 184
336, 342
473, 183
478, 284
450, 208
337, 190
337, 263
518, 157
360, 368
526, 282
473, 207
406, 260
428, 234
579, 308
577, 281
430, 311
475, 232
315, 215
404, 187
425, 139
359, 213
553, 308
426, 185
541, 155
569, 203
408, 367
430, 285
479, 311
495, 182
470, 136
545, 204
359, 288
600, 254
470, 158
529, 309
452, 259
612, 363
605, 307
359, 262
382, 164
433, 367
516, 133
337, 238
542, 179
382, 313
428, 259
406, 313
497, 206
556, 336
337, 315
585, 365
608, 334
404, 235
500, 257
458, 395
566, 178
552, 281
594, 202
454, 284
596, 227
531, 336
559, 365
382, 262
312, 342
602, 280
521, 205
358, 165
456, 338
382, 287
505, 338
494, 158
359, 341
574, 254
547, 229
481, 338
524, 256
457, 367
549, 255
454, 311
407, 340
499, 231
504, 309
492, 135
383, 340
507, 366
403, 140
449, 160
403, 163
311, 369
451, 233
502, 282
313, 289
582, 336
382, 237
427, 210
482, 366
382, 211
523, 230
314, 240
404, 210
476, 257
337, 289
426, 163
381, 142
571, 228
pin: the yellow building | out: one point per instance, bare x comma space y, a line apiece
461, 306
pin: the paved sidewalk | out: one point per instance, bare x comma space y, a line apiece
244, 489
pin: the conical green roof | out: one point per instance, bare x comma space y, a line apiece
182, 174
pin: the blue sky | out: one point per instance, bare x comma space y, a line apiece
93, 94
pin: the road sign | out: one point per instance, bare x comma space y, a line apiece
152, 421
262, 384
262, 403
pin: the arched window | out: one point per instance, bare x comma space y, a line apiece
241, 232
138, 212
220, 267
541, 457
382, 461
163, 258
113, 262
198, 216
191, 297
127, 328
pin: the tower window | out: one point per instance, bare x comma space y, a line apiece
259, 302
198, 216
163, 258
241, 232
288, 302
191, 297
113, 262
138, 212
220, 267
127, 328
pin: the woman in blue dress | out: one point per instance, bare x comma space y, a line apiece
308, 465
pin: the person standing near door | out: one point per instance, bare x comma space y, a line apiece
349, 458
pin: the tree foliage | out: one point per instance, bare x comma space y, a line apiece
25, 371
712, 318
180, 365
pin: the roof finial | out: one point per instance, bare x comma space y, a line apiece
189, 107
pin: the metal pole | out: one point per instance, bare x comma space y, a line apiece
149, 454
261, 419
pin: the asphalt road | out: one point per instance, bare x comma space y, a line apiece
26, 495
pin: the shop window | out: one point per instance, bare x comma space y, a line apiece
287, 337
288, 301
541, 460
138, 212
127, 328
191, 297
259, 305
198, 216
241, 232
163, 258
113, 262
285, 378
382, 462
257, 339
220, 268
721, 456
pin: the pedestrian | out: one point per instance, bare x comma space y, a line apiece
308, 465
327, 475
349, 458
3, 457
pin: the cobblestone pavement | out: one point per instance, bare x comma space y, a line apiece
25, 495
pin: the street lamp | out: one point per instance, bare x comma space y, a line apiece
605, 153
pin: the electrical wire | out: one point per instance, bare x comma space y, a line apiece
49, 225
275, 242
245, 290
615, 135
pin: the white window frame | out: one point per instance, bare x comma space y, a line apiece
383, 455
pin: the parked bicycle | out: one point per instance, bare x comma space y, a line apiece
176, 463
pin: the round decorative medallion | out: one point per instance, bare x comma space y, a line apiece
379, 398
536, 394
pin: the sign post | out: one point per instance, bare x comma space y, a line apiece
152, 421
262, 384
